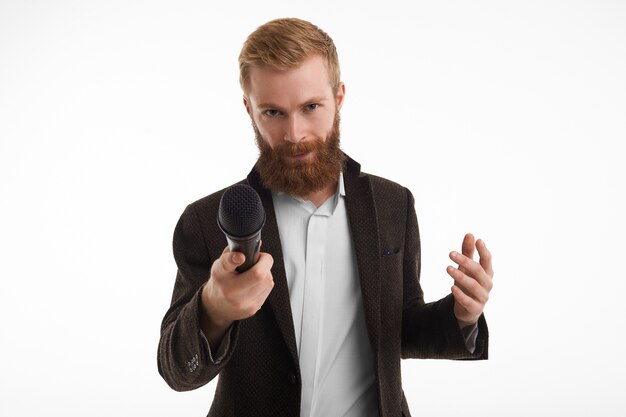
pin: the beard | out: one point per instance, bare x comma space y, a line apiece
300, 178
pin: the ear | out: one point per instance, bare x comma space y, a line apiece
246, 103
341, 94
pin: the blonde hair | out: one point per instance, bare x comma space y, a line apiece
283, 44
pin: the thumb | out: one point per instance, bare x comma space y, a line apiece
231, 260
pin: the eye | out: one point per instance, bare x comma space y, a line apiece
271, 112
312, 106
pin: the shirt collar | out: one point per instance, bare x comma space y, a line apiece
327, 208
341, 188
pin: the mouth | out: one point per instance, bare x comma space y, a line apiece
301, 156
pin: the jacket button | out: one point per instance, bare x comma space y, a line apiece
291, 378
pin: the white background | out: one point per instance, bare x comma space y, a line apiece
504, 119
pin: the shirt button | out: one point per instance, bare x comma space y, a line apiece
291, 378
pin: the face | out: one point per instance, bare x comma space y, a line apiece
295, 115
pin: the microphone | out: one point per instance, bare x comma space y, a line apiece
241, 217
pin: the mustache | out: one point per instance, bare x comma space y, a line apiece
293, 149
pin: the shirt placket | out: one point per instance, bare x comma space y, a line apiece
313, 310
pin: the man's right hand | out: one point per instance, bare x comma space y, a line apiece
229, 295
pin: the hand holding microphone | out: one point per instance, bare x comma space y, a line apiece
241, 278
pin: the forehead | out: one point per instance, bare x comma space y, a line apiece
290, 87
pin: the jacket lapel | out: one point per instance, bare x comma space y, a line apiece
364, 228
279, 296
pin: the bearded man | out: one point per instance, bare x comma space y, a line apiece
318, 326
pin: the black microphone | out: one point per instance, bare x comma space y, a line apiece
241, 217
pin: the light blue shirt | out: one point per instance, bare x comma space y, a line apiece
336, 359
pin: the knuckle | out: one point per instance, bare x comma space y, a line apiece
215, 267
229, 297
267, 281
458, 274
252, 310
259, 275
241, 306
252, 274
472, 305
265, 257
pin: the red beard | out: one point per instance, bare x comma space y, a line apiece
301, 178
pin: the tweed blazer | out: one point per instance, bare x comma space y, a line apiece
259, 373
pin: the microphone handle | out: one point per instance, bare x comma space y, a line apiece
250, 247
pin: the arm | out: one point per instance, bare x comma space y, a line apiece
210, 297
184, 359
431, 330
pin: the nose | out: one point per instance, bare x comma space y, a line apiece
295, 129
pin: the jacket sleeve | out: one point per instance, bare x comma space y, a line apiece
430, 330
183, 357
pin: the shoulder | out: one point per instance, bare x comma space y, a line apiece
384, 192
197, 230
203, 212
389, 191
383, 183
211, 202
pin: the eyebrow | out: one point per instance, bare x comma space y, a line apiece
269, 105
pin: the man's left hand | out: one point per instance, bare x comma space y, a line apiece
472, 280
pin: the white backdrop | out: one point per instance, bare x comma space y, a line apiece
503, 118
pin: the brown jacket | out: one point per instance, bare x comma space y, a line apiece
259, 375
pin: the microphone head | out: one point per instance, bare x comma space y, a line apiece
241, 212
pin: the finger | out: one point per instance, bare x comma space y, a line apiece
258, 290
259, 271
265, 262
467, 248
469, 286
452, 271
255, 301
231, 260
263, 294
470, 267
467, 302
484, 257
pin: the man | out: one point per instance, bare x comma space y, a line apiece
317, 327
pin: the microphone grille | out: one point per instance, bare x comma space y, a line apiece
241, 212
